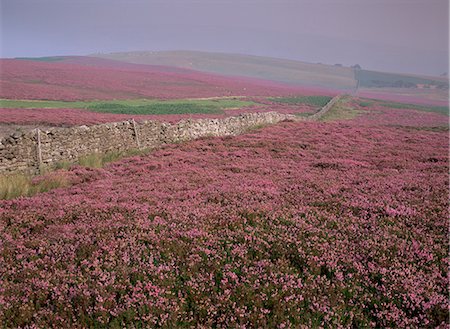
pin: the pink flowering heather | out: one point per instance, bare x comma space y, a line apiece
373, 115
381, 115
403, 95
99, 80
296, 225
72, 117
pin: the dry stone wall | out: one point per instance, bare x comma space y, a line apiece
29, 153
325, 109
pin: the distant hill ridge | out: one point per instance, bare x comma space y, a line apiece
267, 68
272, 73
74, 78
280, 70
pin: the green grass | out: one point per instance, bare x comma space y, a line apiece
341, 110
303, 114
426, 108
159, 108
98, 160
32, 104
137, 106
406, 106
43, 59
318, 101
365, 104
16, 185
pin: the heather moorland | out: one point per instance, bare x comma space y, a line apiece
299, 224
340, 221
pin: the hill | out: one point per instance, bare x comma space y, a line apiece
85, 78
384, 85
303, 224
275, 69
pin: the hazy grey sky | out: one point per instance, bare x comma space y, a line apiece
390, 35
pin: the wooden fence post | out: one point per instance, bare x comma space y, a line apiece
38, 150
136, 135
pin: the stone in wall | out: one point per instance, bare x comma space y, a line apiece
18, 152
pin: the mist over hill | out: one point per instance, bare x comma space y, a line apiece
383, 35
276, 69
352, 79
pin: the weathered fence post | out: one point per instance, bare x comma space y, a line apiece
136, 135
38, 150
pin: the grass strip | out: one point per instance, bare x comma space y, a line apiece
367, 102
136, 106
318, 101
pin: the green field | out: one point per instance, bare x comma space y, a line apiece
34, 104
343, 109
318, 101
204, 106
157, 108
137, 106
396, 105
43, 59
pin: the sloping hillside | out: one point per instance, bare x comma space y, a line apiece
390, 86
84, 78
275, 69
